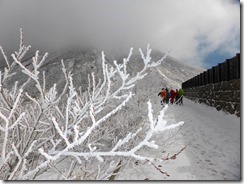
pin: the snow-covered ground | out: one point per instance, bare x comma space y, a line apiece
208, 142
212, 139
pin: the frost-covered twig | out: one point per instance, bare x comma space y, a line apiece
71, 123
113, 152
8, 125
5, 57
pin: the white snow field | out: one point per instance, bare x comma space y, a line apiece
212, 140
206, 147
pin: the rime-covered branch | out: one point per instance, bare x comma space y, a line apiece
39, 131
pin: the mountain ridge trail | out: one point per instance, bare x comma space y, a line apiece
212, 138
212, 147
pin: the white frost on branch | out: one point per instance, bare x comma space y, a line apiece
41, 131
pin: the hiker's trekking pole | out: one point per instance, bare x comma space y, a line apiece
178, 99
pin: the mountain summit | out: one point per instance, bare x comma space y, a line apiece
81, 62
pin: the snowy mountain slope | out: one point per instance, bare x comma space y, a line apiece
174, 72
171, 73
81, 62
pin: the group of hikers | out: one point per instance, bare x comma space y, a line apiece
171, 96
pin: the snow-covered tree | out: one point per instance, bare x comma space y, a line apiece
79, 128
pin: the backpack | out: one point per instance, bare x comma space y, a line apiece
181, 92
168, 95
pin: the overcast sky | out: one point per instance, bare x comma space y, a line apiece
199, 33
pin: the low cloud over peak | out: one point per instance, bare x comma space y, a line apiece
192, 29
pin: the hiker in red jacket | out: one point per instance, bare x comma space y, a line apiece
176, 96
172, 95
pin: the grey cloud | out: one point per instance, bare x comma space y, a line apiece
117, 25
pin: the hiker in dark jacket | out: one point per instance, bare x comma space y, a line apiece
167, 95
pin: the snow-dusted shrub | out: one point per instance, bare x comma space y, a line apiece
73, 127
